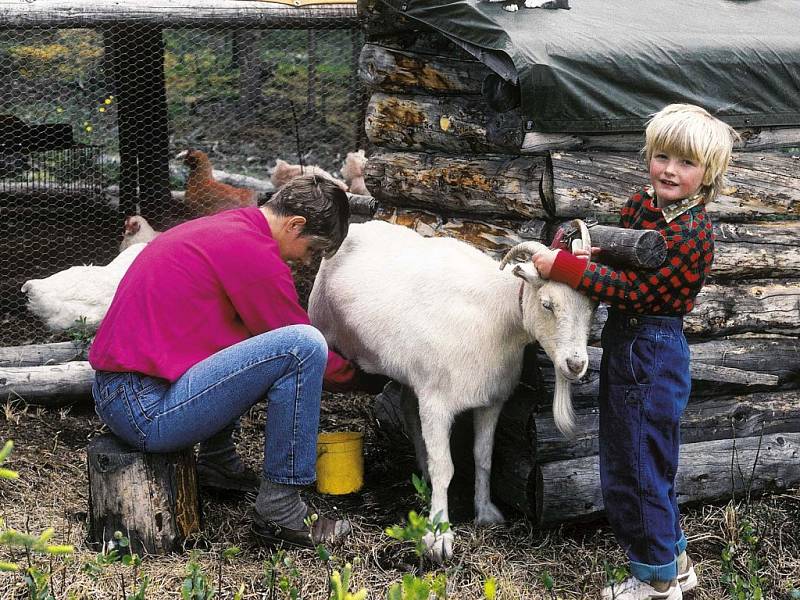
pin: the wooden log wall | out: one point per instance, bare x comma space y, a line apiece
449, 159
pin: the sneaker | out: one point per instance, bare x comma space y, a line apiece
635, 589
322, 531
215, 476
688, 579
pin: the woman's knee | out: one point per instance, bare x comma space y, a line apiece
308, 340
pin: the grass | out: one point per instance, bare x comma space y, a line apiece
52, 488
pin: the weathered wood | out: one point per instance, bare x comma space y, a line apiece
34, 355
639, 249
456, 125
749, 251
702, 421
476, 186
771, 306
166, 13
778, 356
494, 238
399, 71
151, 498
50, 385
762, 186
569, 490
754, 139
718, 368
759, 307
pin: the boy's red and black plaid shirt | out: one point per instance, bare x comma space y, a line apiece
668, 290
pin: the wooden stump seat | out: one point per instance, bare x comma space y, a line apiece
151, 498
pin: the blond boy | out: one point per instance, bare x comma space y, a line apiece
644, 374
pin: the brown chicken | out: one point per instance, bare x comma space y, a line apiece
205, 195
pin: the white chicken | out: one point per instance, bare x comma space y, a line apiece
137, 231
78, 292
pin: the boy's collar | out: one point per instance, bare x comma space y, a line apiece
673, 211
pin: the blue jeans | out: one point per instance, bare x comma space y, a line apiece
644, 387
285, 366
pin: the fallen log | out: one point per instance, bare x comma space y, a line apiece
493, 237
770, 306
569, 490
51, 385
761, 187
33, 355
751, 251
455, 125
759, 306
754, 139
394, 70
473, 186
703, 420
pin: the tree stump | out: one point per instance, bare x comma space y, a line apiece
151, 498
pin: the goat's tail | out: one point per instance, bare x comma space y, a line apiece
562, 406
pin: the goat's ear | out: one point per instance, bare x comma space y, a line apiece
528, 272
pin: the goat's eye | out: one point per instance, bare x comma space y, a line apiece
547, 305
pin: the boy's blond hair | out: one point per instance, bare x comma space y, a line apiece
690, 131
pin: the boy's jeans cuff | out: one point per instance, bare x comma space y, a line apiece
680, 546
648, 573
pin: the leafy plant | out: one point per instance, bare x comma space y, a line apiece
548, 583
744, 581
281, 574
411, 587
80, 333
422, 488
227, 556
490, 588
615, 575
195, 585
36, 580
340, 585
415, 530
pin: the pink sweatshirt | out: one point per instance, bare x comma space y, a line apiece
198, 288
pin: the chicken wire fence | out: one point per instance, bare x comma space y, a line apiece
95, 122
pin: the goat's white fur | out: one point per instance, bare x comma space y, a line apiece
439, 316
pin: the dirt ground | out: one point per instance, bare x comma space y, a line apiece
52, 491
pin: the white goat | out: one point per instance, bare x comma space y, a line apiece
439, 316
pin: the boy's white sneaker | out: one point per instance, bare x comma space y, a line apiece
635, 589
687, 580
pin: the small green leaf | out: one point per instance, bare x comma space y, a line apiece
490, 588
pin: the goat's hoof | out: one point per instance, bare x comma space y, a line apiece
488, 515
440, 547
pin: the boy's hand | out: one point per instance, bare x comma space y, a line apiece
582, 253
543, 261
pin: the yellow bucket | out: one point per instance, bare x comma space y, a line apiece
340, 462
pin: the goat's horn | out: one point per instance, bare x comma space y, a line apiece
586, 238
523, 248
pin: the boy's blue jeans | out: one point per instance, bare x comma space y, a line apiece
644, 387
285, 366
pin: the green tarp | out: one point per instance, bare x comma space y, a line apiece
606, 65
